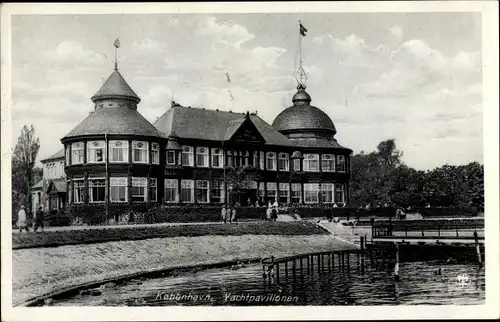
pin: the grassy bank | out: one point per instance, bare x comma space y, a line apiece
91, 236
40, 271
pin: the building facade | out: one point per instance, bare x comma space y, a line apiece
50, 192
203, 156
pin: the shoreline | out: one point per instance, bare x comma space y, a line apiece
81, 266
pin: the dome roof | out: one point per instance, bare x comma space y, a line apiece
116, 87
303, 117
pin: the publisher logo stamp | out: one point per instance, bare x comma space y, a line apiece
463, 280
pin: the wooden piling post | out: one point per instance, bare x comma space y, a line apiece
319, 263
478, 250
301, 268
311, 258
396, 265
293, 271
286, 270
278, 273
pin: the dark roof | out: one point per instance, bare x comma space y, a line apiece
303, 118
317, 143
58, 185
205, 124
116, 87
58, 155
114, 120
38, 185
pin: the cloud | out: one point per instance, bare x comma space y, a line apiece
72, 52
228, 33
148, 46
397, 32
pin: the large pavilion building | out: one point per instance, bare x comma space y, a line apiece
203, 156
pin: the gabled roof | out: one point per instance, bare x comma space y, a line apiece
114, 120
116, 87
206, 124
38, 185
58, 155
56, 186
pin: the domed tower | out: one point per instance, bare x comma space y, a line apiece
113, 156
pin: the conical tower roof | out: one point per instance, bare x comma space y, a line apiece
116, 87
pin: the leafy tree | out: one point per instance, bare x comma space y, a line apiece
23, 161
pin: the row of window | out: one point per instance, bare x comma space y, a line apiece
118, 189
118, 152
272, 161
202, 191
54, 170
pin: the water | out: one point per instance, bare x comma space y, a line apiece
418, 285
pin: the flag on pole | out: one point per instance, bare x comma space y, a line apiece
303, 29
117, 43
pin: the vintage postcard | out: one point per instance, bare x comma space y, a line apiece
203, 161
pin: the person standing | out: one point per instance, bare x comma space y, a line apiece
39, 218
269, 213
223, 214
22, 221
233, 215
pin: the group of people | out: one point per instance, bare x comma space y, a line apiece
272, 211
23, 220
229, 214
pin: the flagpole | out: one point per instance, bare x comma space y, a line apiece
300, 47
116, 58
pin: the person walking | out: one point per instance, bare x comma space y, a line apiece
39, 218
269, 213
223, 214
233, 215
22, 221
274, 214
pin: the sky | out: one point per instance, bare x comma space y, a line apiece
414, 77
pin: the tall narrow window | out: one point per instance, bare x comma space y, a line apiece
262, 191
311, 192
170, 157
78, 191
229, 158
271, 161
255, 159
155, 153
284, 194
140, 152
236, 158
202, 191
271, 192
187, 156
97, 190
296, 193
311, 163
217, 191
187, 191
96, 151
68, 155
139, 189
246, 159
283, 162
217, 158
327, 192
154, 189
339, 193
118, 187
340, 163
118, 151
171, 194
77, 153
327, 163
262, 160
202, 157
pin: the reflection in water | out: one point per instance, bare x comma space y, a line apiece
374, 286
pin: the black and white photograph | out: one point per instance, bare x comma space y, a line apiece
282, 156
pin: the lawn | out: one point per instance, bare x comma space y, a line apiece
91, 236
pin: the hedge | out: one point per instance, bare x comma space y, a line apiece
99, 235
